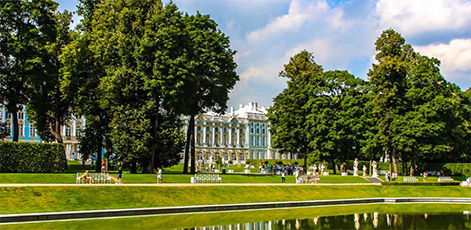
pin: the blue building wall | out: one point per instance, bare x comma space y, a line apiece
27, 136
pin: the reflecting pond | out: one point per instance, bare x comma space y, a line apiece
358, 221
377, 216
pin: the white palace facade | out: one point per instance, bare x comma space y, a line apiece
234, 136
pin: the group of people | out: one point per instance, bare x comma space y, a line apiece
392, 177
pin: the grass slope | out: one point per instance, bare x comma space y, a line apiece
64, 198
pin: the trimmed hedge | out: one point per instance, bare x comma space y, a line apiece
395, 183
23, 157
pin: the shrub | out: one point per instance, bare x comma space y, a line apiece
22, 157
457, 169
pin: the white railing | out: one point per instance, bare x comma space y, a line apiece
410, 179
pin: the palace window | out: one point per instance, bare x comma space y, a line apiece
199, 139
208, 139
233, 139
21, 116
8, 129
32, 130
8, 115
78, 131
68, 131
21, 128
216, 139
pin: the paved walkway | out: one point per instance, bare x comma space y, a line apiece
188, 184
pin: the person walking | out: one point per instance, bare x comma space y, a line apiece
159, 175
120, 176
103, 166
283, 179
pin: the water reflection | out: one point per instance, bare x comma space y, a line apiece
369, 221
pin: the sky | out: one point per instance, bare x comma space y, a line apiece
340, 34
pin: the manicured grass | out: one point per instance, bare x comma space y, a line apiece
227, 218
67, 198
169, 177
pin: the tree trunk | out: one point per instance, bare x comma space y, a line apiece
56, 131
109, 149
154, 122
16, 129
394, 159
134, 167
403, 166
333, 167
369, 172
193, 150
98, 156
189, 134
305, 160
412, 163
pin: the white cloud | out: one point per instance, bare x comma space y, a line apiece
455, 59
300, 12
419, 16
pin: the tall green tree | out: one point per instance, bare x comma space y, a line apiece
289, 113
82, 74
47, 106
333, 123
389, 85
26, 27
211, 73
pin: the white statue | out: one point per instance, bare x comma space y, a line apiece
355, 167
322, 169
375, 169
364, 170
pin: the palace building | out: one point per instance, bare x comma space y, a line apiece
71, 131
234, 136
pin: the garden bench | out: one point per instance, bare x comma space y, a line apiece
208, 178
96, 178
445, 179
410, 179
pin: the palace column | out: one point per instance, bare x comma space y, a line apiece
204, 135
214, 133
230, 137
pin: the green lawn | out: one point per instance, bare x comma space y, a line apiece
68, 198
174, 175
69, 178
188, 221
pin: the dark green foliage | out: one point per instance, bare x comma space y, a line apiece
25, 157
395, 183
457, 169
26, 29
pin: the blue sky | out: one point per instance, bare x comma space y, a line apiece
340, 34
